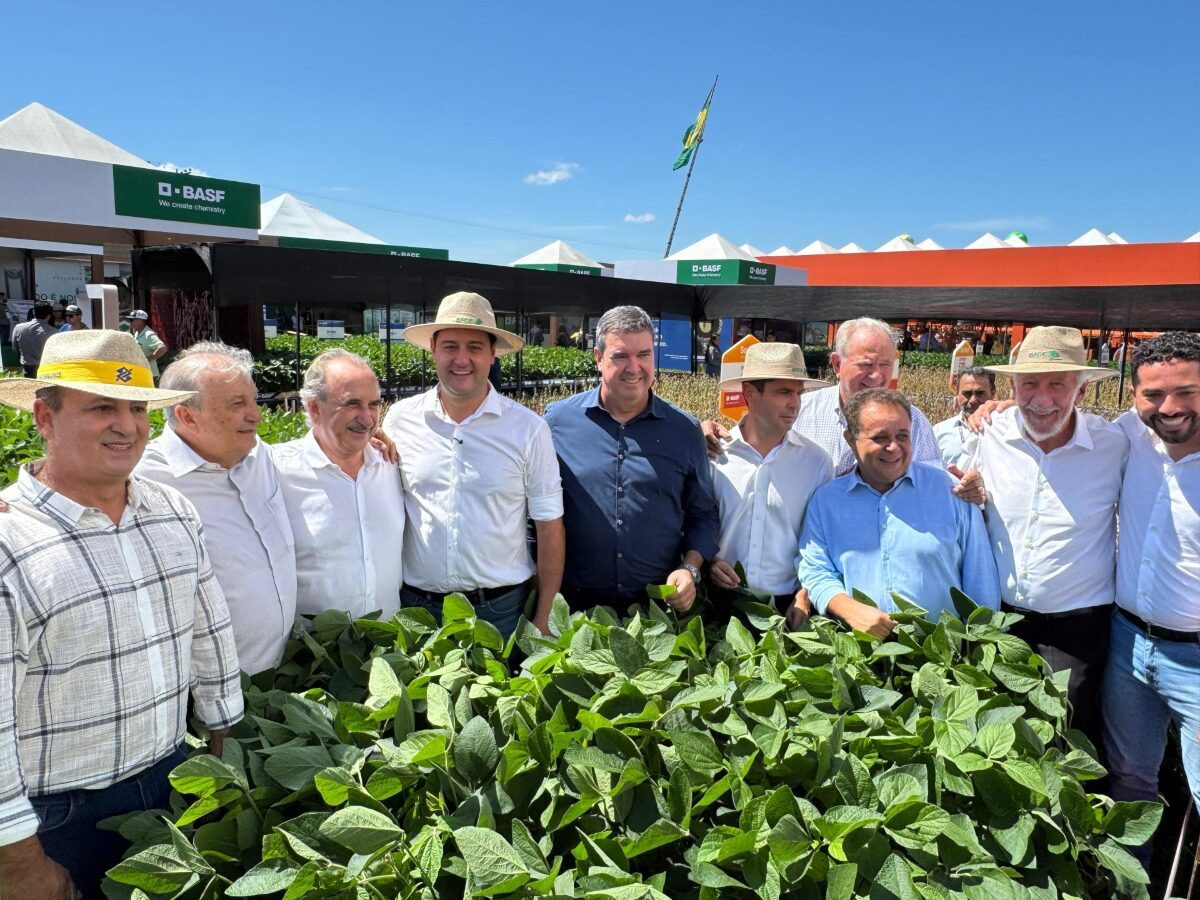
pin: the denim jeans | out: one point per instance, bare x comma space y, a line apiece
504, 611
1149, 682
68, 830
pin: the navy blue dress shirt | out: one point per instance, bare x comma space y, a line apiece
636, 496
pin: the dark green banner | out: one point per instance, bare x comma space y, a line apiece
354, 247
175, 197
723, 271
561, 267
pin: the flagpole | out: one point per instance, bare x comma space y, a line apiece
691, 165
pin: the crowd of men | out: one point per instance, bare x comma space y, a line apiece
138, 574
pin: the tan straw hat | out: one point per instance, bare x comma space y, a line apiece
96, 361
463, 310
1053, 348
770, 361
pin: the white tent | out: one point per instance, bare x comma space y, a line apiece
898, 243
1015, 240
557, 253
39, 129
1194, 239
987, 241
712, 247
782, 250
1093, 237
852, 248
752, 250
285, 216
1116, 238
930, 244
817, 247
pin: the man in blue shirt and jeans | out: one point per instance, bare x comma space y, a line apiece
638, 502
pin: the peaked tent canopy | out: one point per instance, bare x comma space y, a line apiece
817, 247
712, 247
930, 244
900, 242
852, 248
559, 256
987, 241
1194, 239
286, 216
39, 129
782, 250
1116, 238
1093, 237
752, 250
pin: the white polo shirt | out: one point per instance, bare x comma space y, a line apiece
469, 488
344, 528
1051, 516
1158, 561
248, 536
762, 501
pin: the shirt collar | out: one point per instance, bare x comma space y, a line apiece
655, 409
1081, 437
62, 507
317, 458
854, 480
491, 405
735, 437
182, 459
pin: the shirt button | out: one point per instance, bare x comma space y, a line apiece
620, 556
620, 521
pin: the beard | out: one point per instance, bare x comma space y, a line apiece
1040, 432
1181, 435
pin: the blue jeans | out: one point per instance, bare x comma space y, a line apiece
1148, 683
68, 821
504, 611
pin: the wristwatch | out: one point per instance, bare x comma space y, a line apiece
693, 571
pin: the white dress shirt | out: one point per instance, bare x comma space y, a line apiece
1051, 516
345, 529
248, 535
762, 501
1158, 560
822, 421
949, 434
469, 488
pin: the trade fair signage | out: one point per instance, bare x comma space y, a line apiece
298, 243
561, 267
179, 197
331, 329
723, 271
673, 344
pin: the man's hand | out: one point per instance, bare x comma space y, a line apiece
714, 434
970, 487
685, 591
982, 417
722, 574
385, 445
861, 617
800, 610
541, 620
216, 741
27, 873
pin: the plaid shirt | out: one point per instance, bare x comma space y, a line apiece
104, 629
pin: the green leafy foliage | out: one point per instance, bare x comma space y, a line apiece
648, 757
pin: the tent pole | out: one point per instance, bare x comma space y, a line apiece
297, 323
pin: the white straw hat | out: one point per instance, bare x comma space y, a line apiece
463, 310
1053, 348
96, 361
771, 361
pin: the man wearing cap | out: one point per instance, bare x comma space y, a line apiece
110, 616
30, 337
638, 495
1054, 477
476, 466
152, 345
211, 453
74, 320
975, 387
1153, 673
765, 476
891, 525
343, 496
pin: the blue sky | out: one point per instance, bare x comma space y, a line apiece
420, 123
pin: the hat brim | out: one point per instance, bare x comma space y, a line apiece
20, 393
1094, 373
809, 384
422, 336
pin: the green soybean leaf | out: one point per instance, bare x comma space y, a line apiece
361, 829
202, 775
1132, 823
475, 752
627, 651
294, 767
1120, 861
492, 862
660, 591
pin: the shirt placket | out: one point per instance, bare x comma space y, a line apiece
620, 508
758, 515
1033, 532
369, 588
453, 507
887, 546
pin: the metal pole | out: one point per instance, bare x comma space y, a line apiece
691, 165
298, 383
1124, 356
387, 344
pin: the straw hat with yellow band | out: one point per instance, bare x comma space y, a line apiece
773, 361
1053, 348
463, 310
97, 361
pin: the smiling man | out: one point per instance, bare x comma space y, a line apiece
343, 496
975, 387
891, 525
638, 496
476, 466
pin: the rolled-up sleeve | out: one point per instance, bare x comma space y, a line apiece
814, 565
701, 512
543, 480
17, 818
216, 676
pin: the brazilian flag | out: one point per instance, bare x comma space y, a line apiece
693, 136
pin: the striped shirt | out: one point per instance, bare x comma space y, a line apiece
104, 630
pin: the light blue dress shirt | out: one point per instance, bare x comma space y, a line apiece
917, 540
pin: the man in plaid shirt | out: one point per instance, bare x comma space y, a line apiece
110, 616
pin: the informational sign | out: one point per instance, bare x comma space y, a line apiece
723, 271
155, 194
331, 329
733, 403
61, 280
297, 243
396, 329
561, 267
270, 328
673, 344
960, 361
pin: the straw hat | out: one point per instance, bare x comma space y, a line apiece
463, 310
771, 361
96, 361
1053, 348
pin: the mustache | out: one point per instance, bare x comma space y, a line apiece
358, 428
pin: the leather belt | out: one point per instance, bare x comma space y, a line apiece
1157, 631
1035, 615
476, 595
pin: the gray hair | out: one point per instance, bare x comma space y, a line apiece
52, 396
851, 327
622, 320
317, 374
198, 360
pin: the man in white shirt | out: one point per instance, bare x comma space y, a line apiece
764, 477
1053, 475
975, 387
210, 452
475, 467
1153, 674
343, 497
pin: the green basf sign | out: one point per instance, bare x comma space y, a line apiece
723, 271
353, 247
176, 197
560, 267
